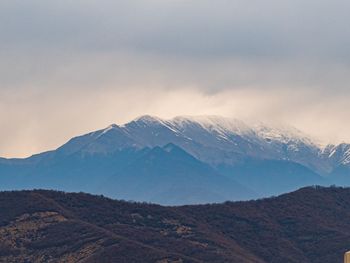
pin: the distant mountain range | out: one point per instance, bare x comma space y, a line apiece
185, 160
310, 225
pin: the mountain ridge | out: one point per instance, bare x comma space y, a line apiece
266, 161
309, 225
269, 143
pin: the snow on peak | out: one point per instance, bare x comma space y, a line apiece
148, 119
109, 128
224, 128
340, 152
282, 133
346, 158
213, 123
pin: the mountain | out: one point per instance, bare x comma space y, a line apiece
339, 155
166, 175
215, 140
269, 177
169, 175
310, 225
131, 161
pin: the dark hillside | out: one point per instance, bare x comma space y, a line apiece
309, 225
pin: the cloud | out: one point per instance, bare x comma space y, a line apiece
69, 67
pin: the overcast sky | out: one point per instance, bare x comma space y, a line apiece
70, 67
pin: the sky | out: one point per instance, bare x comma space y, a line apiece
71, 67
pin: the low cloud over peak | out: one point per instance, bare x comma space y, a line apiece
71, 67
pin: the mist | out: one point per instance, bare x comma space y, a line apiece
68, 68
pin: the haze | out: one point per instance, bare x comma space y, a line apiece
70, 67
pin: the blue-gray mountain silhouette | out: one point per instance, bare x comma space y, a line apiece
183, 160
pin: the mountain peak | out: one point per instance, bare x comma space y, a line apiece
109, 128
148, 119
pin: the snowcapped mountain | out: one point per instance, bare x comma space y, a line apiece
217, 140
255, 158
226, 131
212, 139
339, 154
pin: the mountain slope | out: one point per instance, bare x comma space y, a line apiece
218, 140
266, 159
215, 140
164, 175
169, 175
272, 177
307, 226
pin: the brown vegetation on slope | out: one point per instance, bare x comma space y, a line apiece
309, 225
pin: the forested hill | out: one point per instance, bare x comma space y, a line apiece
309, 225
